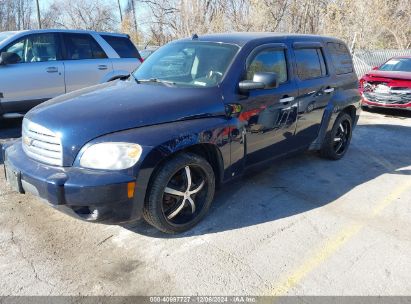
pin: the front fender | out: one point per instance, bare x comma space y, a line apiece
161, 141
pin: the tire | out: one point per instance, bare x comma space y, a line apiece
168, 207
338, 140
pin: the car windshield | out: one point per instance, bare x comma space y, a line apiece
187, 64
146, 53
397, 64
5, 35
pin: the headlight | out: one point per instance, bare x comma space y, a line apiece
111, 156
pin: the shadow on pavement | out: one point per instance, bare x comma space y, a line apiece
302, 183
391, 112
9, 130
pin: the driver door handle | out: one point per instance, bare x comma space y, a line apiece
286, 99
52, 70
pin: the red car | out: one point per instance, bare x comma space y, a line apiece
388, 86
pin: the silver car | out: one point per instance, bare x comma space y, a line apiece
37, 65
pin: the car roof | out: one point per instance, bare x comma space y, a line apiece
243, 38
70, 31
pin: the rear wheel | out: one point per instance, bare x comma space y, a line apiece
181, 194
338, 140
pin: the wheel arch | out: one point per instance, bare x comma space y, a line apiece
208, 151
332, 111
352, 111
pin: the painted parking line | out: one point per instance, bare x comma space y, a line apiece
335, 243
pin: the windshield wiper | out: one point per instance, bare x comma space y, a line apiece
155, 80
133, 77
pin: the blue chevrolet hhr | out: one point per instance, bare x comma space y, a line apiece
197, 113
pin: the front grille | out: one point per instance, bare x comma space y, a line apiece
41, 144
394, 97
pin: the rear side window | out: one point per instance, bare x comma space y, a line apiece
123, 46
341, 58
310, 63
269, 60
82, 46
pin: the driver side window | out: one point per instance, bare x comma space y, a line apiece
35, 48
269, 60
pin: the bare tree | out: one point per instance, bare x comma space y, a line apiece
162, 18
396, 21
15, 14
81, 14
374, 23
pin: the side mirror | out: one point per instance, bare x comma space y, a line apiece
375, 68
9, 58
261, 80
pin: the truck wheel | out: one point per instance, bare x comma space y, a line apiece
338, 140
181, 194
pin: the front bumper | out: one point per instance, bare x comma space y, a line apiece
91, 195
369, 103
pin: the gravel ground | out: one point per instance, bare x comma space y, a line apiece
304, 226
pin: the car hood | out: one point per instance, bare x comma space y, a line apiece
83, 115
389, 74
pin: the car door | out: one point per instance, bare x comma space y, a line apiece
128, 59
38, 76
269, 116
315, 89
85, 63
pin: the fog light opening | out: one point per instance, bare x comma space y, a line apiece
88, 213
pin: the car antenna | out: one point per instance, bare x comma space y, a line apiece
195, 37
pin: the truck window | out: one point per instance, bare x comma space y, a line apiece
82, 46
35, 48
310, 63
123, 46
341, 58
269, 60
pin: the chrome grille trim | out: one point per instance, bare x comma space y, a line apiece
41, 144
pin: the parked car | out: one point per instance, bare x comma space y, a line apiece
196, 114
389, 85
40, 64
147, 53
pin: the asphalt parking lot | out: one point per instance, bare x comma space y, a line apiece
304, 226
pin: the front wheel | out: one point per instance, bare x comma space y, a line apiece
181, 194
338, 140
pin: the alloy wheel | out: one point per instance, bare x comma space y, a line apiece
185, 194
342, 137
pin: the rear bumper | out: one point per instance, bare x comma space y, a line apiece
91, 195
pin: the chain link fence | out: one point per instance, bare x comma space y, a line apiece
364, 60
